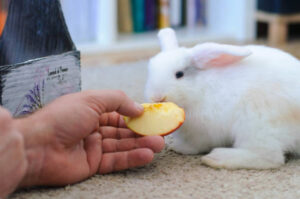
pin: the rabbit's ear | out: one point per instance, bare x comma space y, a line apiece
217, 55
167, 39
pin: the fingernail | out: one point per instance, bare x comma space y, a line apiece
139, 106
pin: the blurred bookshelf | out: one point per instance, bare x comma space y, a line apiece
121, 25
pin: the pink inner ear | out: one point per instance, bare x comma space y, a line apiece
223, 60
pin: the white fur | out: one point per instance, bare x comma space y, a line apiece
251, 105
167, 39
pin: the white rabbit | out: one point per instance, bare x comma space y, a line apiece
242, 104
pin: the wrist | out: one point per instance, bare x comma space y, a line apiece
32, 132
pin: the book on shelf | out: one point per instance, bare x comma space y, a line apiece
151, 11
201, 12
175, 13
147, 15
191, 13
138, 15
195, 14
164, 20
183, 12
124, 16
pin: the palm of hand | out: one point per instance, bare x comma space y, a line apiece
83, 141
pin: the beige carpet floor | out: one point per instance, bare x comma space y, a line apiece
170, 175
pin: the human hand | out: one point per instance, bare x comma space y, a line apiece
13, 163
81, 134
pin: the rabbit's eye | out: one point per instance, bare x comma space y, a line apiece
179, 74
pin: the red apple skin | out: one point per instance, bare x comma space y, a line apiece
164, 134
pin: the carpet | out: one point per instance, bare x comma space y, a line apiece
170, 175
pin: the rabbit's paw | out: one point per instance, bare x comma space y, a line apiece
179, 146
232, 158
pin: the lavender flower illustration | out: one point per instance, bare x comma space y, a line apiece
34, 101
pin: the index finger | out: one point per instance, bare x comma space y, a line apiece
112, 119
105, 101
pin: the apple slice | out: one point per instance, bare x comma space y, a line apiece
157, 119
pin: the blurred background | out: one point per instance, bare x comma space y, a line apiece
115, 31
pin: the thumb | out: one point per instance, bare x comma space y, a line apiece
113, 100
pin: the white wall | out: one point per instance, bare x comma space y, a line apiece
108, 26
234, 18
